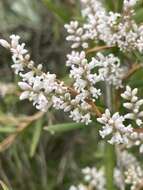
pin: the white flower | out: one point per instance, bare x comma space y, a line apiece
76, 115
129, 3
14, 40
44, 89
41, 102
134, 176
94, 177
19, 51
110, 70
110, 27
77, 35
133, 105
86, 119
24, 86
75, 58
4, 43
95, 92
24, 95
114, 125
17, 67
82, 73
79, 187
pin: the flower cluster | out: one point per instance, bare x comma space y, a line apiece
110, 69
134, 105
77, 35
88, 76
96, 178
120, 134
114, 125
136, 139
82, 73
131, 173
134, 177
43, 88
129, 4
111, 28
93, 178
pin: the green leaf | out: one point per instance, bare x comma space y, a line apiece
4, 187
60, 12
59, 128
109, 165
7, 129
36, 137
136, 84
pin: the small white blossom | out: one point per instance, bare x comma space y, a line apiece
129, 3
93, 178
4, 43
114, 125
110, 69
136, 139
134, 176
77, 35
96, 178
133, 105
24, 95
79, 187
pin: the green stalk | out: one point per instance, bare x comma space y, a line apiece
109, 166
109, 149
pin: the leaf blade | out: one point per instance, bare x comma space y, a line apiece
60, 128
36, 138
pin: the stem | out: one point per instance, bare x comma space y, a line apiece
109, 166
109, 149
98, 48
94, 108
108, 97
120, 165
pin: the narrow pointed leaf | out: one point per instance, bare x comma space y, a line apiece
59, 128
7, 129
36, 138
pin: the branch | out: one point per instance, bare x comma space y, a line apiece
94, 108
98, 48
139, 130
